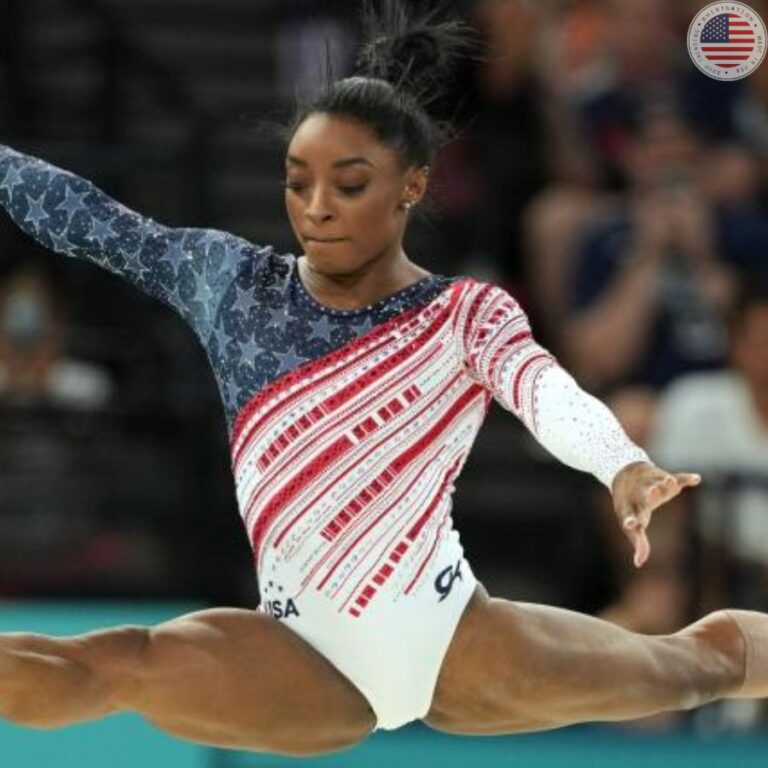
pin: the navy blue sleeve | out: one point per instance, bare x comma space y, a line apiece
187, 269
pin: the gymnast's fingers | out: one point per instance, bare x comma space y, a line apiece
634, 528
688, 479
642, 548
666, 488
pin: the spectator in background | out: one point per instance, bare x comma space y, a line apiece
34, 366
602, 63
717, 423
638, 55
654, 280
592, 66
69, 521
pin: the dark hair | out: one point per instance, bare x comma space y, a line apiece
401, 70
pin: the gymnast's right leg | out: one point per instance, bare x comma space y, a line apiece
515, 667
222, 677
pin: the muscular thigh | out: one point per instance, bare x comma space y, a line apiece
242, 679
521, 667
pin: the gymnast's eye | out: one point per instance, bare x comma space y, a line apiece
352, 191
346, 190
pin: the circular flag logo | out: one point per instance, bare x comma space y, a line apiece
727, 40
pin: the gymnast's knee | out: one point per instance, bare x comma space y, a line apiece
118, 657
719, 657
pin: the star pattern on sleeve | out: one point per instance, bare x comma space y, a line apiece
278, 318
176, 254
321, 329
204, 294
75, 218
244, 302
365, 325
60, 242
249, 350
72, 203
101, 231
289, 360
204, 239
222, 339
231, 393
36, 212
11, 180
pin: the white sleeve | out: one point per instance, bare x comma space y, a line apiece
500, 353
580, 430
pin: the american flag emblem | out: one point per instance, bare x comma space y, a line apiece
727, 39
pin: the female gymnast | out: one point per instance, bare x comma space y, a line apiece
354, 383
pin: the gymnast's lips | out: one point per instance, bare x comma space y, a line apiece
310, 239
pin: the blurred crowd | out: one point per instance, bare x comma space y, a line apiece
620, 195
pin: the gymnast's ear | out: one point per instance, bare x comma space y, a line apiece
416, 182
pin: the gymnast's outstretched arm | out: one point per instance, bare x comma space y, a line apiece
188, 269
575, 427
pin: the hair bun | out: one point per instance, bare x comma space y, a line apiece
412, 52
422, 48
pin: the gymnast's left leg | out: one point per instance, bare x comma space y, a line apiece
515, 667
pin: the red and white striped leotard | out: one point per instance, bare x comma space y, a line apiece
346, 466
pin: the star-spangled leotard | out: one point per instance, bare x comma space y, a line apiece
348, 428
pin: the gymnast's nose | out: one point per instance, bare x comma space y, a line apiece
319, 208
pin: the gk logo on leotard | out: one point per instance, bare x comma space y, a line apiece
445, 579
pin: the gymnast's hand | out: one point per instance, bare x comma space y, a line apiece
638, 490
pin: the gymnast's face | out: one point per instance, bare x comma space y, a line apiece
345, 193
